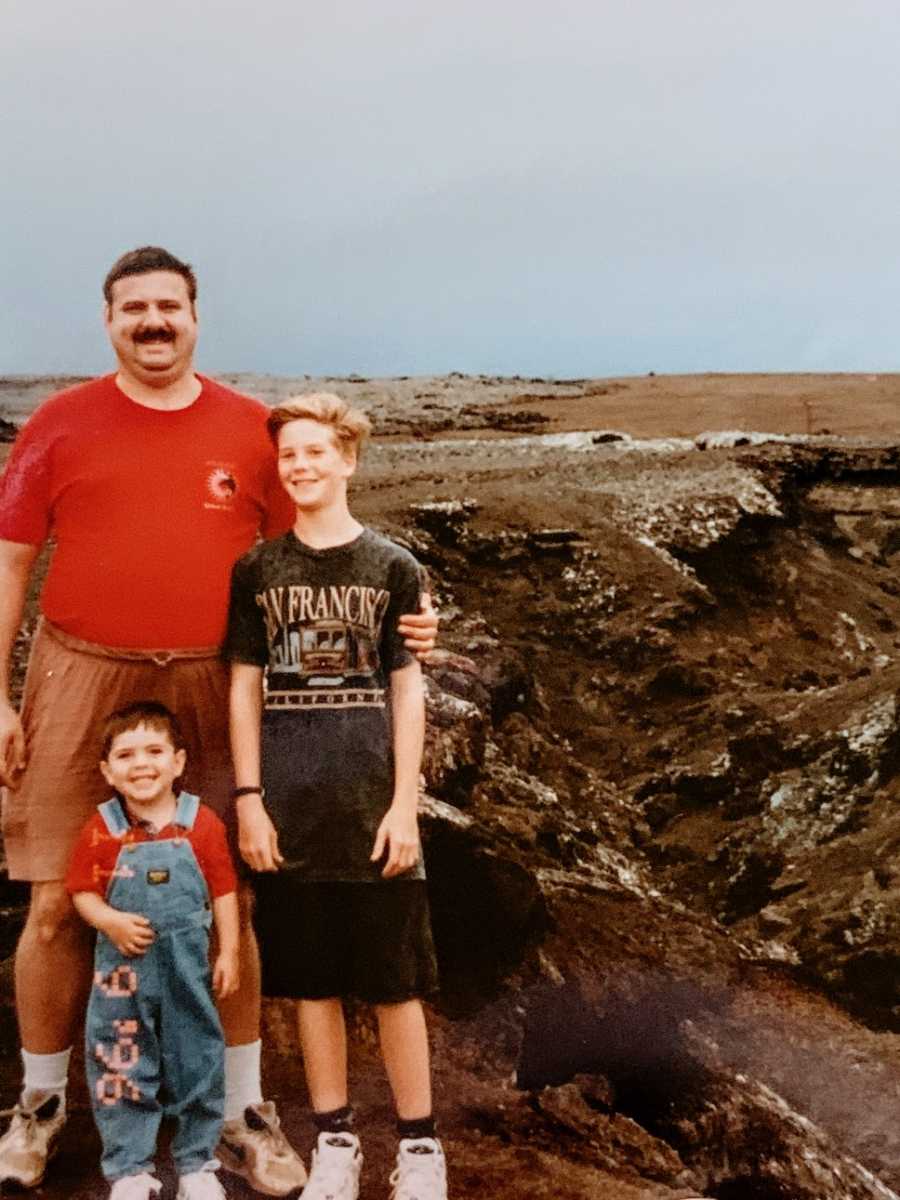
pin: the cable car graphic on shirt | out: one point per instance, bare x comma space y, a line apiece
324, 646
325, 653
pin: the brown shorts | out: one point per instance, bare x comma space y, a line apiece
69, 688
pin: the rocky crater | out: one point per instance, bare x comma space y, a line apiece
659, 803
663, 750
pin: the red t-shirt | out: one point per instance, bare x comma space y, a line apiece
94, 857
149, 510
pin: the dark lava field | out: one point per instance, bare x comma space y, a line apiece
661, 781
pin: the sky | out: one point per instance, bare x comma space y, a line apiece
582, 187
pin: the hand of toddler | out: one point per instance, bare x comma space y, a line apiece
129, 932
225, 974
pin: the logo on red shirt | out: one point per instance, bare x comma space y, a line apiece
221, 486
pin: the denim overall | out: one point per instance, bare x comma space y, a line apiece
154, 1044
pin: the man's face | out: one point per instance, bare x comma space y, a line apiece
152, 326
311, 465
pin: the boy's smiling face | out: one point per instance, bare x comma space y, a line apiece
142, 765
311, 464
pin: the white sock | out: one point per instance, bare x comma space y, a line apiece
243, 1083
209, 1168
44, 1075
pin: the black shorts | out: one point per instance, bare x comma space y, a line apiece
321, 940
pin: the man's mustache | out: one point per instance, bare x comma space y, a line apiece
154, 335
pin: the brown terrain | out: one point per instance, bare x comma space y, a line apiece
661, 778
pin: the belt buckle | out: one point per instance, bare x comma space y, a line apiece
163, 658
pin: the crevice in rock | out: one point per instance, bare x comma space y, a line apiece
634, 1038
487, 912
746, 1187
737, 565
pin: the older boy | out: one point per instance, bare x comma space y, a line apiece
327, 760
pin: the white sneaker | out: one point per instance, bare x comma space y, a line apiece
201, 1185
135, 1187
254, 1147
30, 1142
335, 1167
421, 1172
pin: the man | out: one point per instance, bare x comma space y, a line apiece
152, 482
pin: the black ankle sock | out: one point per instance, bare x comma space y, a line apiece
420, 1127
339, 1120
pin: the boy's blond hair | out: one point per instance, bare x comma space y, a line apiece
351, 426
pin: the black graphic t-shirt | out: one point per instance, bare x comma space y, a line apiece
323, 623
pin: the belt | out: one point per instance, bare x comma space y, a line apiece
161, 658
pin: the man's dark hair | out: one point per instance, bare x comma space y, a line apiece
144, 712
146, 259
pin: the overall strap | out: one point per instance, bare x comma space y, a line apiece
186, 812
114, 817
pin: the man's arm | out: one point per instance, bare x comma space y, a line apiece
129, 932
399, 828
16, 562
419, 630
257, 836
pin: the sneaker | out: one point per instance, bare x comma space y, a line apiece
201, 1185
421, 1172
30, 1143
254, 1147
135, 1187
334, 1170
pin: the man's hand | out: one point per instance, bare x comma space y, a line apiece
16, 561
129, 932
12, 745
419, 630
399, 834
257, 836
225, 973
